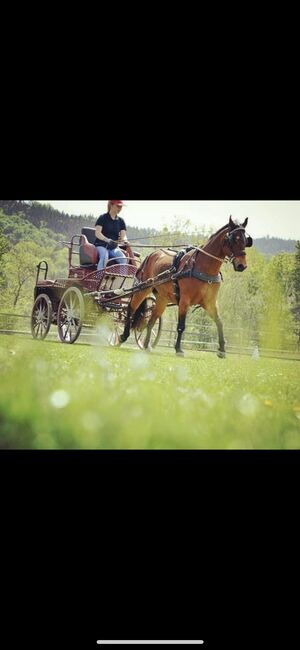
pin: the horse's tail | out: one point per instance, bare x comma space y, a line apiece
139, 314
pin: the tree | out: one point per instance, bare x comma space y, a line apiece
296, 293
4, 244
19, 266
240, 300
276, 323
4, 248
296, 274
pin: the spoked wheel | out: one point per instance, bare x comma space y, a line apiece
70, 315
141, 332
41, 317
117, 328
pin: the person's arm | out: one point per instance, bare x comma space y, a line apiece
99, 235
123, 236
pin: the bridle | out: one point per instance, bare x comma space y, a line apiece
229, 240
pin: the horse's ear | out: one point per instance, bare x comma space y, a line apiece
245, 223
231, 223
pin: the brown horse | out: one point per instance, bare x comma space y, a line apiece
194, 281
132, 256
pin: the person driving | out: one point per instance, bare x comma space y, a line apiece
110, 230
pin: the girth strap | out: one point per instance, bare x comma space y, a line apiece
192, 273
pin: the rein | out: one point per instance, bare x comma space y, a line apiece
157, 246
220, 259
173, 246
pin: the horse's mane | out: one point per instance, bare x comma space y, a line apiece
221, 229
218, 231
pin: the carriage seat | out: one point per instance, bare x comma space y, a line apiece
90, 234
88, 254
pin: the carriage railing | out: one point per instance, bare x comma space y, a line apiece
43, 269
116, 276
74, 244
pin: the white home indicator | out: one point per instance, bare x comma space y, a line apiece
150, 642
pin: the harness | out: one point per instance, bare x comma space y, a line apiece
191, 272
173, 274
200, 275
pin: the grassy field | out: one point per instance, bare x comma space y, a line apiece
55, 396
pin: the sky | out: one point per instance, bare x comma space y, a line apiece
273, 218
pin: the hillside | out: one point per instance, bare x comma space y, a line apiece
274, 245
45, 216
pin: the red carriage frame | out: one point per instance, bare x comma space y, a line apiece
88, 293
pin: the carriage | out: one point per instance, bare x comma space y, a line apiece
88, 294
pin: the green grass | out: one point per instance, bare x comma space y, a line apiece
55, 396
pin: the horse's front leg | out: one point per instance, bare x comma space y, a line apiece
182, 312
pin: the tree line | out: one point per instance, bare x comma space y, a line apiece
44, 215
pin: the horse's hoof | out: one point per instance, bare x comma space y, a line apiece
179, 353
221, 355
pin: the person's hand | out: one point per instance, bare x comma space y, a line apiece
111, 244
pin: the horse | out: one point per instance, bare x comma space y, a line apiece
132, 256
194, 280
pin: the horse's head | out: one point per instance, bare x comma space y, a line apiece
235, 243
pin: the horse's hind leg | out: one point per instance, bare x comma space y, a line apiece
158, 310
134, 304
126, 332
221, 353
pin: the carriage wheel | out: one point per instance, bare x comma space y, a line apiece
114, 335
140, 335
70, 315
41, 317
